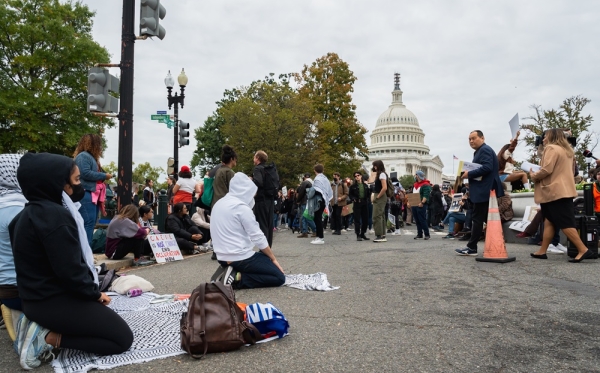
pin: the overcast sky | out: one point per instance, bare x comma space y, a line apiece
465, 64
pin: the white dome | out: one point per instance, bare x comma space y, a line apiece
397, 114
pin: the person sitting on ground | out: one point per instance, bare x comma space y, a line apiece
235, 232
188, 235
146, 215
202, 220
124, 236
505, 206
454, 217
57, 281
506, 164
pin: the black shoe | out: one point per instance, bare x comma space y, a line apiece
426, 238
359, 238
417, 237
466, 237
214, 256
218, 275
364, 237
337, 233
588, 255
541, 256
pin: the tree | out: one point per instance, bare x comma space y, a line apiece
269, 115
339, 137
144, 171
210, 140
568, 116
407, 181
46, 49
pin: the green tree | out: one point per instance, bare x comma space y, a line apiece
568, 116
339, 137
210, 140
112, 169
269, 115
144, 171
46, 49
407, 181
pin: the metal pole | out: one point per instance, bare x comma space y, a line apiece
124, 183
176, 136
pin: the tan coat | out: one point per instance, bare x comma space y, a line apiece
342, 189
555, 179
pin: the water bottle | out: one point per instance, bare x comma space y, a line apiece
135, 292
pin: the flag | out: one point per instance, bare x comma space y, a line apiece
455, 157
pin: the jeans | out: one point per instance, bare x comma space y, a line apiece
419, 213
305, 222
452, 218
275, 220
89, 213
336, 218
258, 271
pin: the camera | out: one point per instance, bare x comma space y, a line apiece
570, 139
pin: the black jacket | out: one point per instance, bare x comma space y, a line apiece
301, 192
44, 236
179, 226
354, 193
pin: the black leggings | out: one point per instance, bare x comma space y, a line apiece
77, 320
137, 246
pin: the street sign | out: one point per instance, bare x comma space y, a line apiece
158, 117
161, 112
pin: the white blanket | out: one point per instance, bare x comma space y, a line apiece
316, 281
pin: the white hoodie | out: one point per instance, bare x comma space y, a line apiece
233, 227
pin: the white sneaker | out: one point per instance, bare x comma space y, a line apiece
561, 248
371, 231
317, 241
553, 250
343, 231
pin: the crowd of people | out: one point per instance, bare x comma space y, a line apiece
47, 273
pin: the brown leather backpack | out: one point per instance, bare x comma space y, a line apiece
214, 322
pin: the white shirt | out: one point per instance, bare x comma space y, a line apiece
508, 167
187, 185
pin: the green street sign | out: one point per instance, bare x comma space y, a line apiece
158, 117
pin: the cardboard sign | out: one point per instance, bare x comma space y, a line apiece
414, 199
164, 247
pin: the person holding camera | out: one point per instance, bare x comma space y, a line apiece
554, 191
481, 181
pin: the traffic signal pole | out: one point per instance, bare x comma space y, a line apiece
176, 137
124, 177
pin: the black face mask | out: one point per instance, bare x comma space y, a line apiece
78, 192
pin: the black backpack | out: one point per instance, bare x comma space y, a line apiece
270, 180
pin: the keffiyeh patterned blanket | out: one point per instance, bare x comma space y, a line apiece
316, 281
156, 335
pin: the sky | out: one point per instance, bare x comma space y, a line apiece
464, 64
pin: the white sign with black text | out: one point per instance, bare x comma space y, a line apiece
164, 247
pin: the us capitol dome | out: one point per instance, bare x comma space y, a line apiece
399, 142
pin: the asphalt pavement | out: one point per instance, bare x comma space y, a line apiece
403, 306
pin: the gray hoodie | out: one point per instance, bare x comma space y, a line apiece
233, 227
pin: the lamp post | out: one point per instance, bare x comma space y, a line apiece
176, 100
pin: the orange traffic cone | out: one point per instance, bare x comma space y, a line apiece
495, 249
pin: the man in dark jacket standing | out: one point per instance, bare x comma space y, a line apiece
481, 181
264, 201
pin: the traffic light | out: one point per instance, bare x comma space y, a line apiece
184, 133
151, 12
100, 83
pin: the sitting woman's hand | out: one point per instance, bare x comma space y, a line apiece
196, 237
104, 299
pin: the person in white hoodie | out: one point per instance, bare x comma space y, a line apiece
235, 232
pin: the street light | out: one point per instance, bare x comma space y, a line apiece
176, 100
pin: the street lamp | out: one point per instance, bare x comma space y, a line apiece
176, 100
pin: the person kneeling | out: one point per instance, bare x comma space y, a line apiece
235, 232
188, 235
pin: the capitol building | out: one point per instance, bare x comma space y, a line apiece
399, 142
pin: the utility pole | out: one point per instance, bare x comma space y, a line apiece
124, 182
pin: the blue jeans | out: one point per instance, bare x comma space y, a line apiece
305, 222
89, 213
258, 271
420, 215
452, 218
275, 220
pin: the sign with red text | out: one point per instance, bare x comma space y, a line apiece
164, 247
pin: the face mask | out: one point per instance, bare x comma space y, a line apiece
78, 193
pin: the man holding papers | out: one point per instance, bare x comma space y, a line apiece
482, 180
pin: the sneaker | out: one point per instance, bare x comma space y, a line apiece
218, 275
141, 261
317, 241
449, 236
523, 235
554, 250
417, 237
344, 230
230, 276
560, 247
35, 349
303, 235
213, 256
371, 231
2, 324
313, 235
466, 237
380, 239
359, 238
426, 238
364, 237
466, 252
20, 333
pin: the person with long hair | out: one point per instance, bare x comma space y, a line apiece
124, 235
554, 191
379, 201
87, 157
360, 193
57, 281
185, 188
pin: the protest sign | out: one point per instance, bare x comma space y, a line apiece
414, 199
455, 205
164, 247
530, 212
514, 125
392, 219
